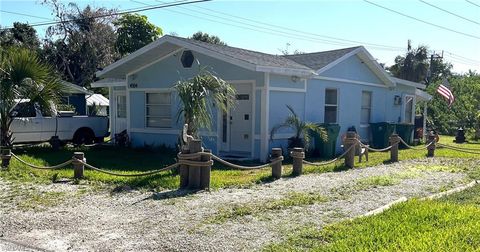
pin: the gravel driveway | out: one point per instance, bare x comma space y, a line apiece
173, 221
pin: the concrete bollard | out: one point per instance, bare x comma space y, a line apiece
183, 169
6, 156
195, 146
298, 156
205, 171
78, 167
394, 142
276, 168
351, 140
431, 148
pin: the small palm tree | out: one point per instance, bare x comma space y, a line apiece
24, 76
197, 96
302, 129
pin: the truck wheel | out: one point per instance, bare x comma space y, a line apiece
83, 136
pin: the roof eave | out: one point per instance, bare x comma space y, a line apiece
409, 83
286, 71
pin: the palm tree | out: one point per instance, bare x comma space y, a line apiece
24, 76
197, 96
302, 129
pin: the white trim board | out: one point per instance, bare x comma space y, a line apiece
347, 81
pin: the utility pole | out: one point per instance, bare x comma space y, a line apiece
434, 56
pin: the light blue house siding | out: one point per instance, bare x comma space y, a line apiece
160, 77
310, 104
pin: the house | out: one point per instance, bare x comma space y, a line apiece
76, 96
345, 86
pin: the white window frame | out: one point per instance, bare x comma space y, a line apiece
146, 116
117, 106
331, 105
404, 109
363, 124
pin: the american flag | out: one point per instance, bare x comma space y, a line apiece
444, 91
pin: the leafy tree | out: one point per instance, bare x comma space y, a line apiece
415, 66
205, 37
197, 95
20, 34
82, 42
134, 32
24, 76
301, 128
464, 111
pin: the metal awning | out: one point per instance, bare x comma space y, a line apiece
98, 100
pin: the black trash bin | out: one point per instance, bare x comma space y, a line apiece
327, 149
405, 131
381, 133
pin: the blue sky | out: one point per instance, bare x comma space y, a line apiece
308, 26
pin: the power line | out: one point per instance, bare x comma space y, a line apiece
290, 29
423, 21
472, 3
26, 15
122, 12
449, 12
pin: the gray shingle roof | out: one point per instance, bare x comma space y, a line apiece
318, 60
253, 57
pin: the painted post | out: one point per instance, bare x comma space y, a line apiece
78, 167
277, 167
298, 156
351, 140
432, 144
394, 141
183, 169
205, 171
194, 171
6, 156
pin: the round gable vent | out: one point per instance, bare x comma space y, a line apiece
187, 59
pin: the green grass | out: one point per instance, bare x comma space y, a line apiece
448, 224
291, 200
376, 181
140, 160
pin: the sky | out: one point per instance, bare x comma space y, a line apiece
307, 26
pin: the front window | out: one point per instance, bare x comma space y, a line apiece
331, 106
121, 106
366, 107
408, 109
158, 110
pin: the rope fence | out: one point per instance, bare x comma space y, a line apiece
194, 163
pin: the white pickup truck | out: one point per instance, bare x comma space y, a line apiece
31, 125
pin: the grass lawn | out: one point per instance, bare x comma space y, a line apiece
140, 160
448, 224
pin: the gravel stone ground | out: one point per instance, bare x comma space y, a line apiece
173, 221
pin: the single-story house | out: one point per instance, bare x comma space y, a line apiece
346, 86
75, 95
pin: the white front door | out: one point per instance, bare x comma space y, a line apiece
120, 114
240, 120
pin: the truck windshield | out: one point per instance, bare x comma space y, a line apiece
24, 109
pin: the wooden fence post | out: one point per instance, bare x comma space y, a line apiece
205, 171
78, 167
432, 145
183, 169
297, 163
350, 141
6, 156
195, 146
277, 167
394, 142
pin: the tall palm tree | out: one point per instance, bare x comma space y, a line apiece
197, 96
302, 129
24, 76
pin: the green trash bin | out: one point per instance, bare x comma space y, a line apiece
327, 149
381, 133
405, 131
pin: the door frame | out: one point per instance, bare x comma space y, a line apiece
113, 113
220, 145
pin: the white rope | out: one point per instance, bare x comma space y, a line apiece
415, 148
127, 175
43, 167
330, 161
241, 167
